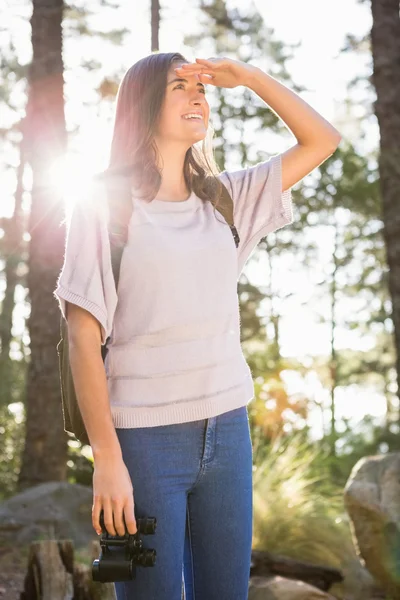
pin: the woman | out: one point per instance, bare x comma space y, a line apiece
166, 414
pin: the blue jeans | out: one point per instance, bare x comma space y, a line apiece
196, 479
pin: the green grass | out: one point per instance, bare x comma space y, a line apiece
297, 512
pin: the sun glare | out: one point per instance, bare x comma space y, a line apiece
71, 177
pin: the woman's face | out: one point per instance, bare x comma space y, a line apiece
183, 97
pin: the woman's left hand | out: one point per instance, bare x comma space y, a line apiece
221, 72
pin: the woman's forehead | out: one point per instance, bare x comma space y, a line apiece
178, 63
172, 74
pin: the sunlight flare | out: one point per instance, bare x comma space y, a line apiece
70, 176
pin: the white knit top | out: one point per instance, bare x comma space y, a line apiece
175, 354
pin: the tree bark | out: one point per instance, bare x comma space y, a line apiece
155, 25
45, 452
385, 38
47, 577
53, 575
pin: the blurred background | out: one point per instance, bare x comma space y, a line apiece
319, 299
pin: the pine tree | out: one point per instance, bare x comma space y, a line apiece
45, 451
385, 36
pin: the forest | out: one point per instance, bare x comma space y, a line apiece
319, 300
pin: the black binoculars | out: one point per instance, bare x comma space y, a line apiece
119, 555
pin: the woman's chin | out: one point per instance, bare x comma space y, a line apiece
199, 136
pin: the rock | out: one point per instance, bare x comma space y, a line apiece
55, 510
279, 588
358, 583
372, 500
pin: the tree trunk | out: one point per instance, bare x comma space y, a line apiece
53, 575
385, 38
45, 453
47, 578
155, 25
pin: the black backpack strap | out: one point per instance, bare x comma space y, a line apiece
225, 207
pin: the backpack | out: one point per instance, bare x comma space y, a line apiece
117, 230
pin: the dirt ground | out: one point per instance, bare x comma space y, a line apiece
13, 568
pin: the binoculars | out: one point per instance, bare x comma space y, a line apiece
119, 555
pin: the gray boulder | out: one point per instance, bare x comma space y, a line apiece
279, 588
55, 510
372, 500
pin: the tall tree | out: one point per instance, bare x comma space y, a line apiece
155, 25
385, 38
45, 451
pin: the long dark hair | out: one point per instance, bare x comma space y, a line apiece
133, 153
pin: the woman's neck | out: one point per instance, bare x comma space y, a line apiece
173, 186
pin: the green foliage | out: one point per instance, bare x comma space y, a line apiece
12, 377
11, 445
80, 468
77, 21
298, 512
368, 438
250, 297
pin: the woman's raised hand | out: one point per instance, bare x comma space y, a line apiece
221, 72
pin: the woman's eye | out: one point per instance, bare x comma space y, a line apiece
180, 85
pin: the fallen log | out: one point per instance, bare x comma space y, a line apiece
267, 564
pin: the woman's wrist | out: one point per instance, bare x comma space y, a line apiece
106, 452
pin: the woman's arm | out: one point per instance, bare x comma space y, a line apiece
316, 138
90, 381
112, 485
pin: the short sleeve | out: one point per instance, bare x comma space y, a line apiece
86, 278
260, 206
